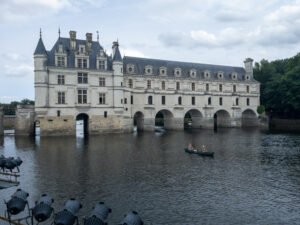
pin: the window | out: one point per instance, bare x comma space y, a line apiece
101, 98
207, 74
58, 113
148, 70
125, 100
220, 87
193, 86
234, 88
149, 100
247, 88
61, 97
61, 79
163, 85
163, 100
148, 84
82, 96
101, 81
177, 86
102, 64
177, 72
193, 73
82, 63
207, 87
179, 101
220, 75
193, 100
61, 61
82, 78
209, 101
131, 99
130, 84
248, 101
105, 114
220, 101
236, 101
163, 71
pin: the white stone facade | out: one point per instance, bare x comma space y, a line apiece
76, 79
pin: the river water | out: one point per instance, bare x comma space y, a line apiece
254, 177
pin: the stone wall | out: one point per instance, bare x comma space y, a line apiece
57, 126
284, 125
24, 125
9, 121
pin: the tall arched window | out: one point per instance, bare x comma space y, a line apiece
237, 101
209, 101
179, 101
248, 101
149, 100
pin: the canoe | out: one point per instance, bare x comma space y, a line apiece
211, 154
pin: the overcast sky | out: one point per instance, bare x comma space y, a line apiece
212, 31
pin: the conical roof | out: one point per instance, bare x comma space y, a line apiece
40, 48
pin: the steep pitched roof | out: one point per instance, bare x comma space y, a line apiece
117, 56
40, 48
141, 63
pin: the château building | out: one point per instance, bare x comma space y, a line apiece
77, 79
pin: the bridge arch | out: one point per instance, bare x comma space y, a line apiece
193, 119
164, 118
249, 118
222, 119
138, 121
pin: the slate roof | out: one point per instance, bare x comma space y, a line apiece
141, 63
40, 48
65, 42
117, 56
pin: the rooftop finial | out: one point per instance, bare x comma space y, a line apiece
58, 32
40, 32
97, 36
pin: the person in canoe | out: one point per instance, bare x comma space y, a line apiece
203, 148
191, 148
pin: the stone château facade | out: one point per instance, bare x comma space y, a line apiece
76, 79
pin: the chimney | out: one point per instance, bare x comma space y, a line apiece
89, 37
249, 67
72, 39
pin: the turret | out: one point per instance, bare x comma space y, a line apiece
40, 74
117, 65
248, 68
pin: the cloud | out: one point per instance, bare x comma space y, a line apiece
281, 27
15, 65
131, 52
232, 16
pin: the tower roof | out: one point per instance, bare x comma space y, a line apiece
117, 55
40, 48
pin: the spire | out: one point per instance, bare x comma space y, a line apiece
116, 52
40, 48
59, 32
97, 36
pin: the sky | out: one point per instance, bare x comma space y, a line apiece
202, 31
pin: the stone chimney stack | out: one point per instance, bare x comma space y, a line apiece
114, 47
73, 39
249, 68
89, 39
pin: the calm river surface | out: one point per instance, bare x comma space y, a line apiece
254, 177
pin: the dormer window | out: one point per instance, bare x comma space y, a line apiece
61, 61
193, 73
130, 68
148, 70
81, 49
234, 76
163, 71
247, 77
177, 72
102, 64
60, 48
220, 75
206, 74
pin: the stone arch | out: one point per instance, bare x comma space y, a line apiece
138, 120
249, 118
193, 119
85, 123
222, 119
164, 118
